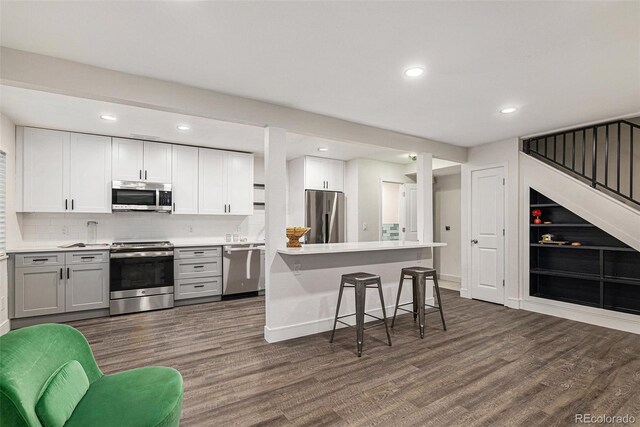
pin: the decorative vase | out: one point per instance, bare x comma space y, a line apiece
294, 234
537, 221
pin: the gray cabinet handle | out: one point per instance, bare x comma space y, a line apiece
199, 286
140, 173
66, 206
61, 273
68, 273
198, 266
198, 252
72, 204
145, 174
41, 260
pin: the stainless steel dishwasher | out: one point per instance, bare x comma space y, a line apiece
242, 269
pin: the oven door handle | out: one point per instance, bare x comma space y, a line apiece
154, 254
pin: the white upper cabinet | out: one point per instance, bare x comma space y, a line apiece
135, 160
43, 156
211, 182
157, 162
323, 174
225, 182
63, 172
239, 183
89, 173
127, 159
184, 179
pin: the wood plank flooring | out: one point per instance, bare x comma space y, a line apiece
494, 366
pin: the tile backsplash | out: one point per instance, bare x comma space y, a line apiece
41, 228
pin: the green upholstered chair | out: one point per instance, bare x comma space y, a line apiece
49, 377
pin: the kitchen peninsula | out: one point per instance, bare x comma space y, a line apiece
304, 291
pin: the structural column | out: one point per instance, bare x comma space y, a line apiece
424, 178
275, 171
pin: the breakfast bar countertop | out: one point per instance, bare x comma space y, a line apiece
328, 248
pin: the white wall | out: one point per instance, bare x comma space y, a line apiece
487, 155
447, 212
8, 144
370, 173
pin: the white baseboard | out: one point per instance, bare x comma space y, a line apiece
450, 278
444, 284
464, 293
594, 316
284, 333
5, 327
513, 303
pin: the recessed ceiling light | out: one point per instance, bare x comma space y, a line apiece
414, 71
323, 149
183, 127
109, 117
508, 110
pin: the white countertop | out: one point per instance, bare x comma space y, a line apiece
106, 246
329, 248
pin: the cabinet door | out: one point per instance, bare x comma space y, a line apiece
127, 159
87, 287
90, 173
211, 185
45, 171
314, 173
184, 179
38, 291
239, 184
334, 175
157, 162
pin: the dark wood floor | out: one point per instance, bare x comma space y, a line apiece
494, 366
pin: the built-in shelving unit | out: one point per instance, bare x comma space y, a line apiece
603, 272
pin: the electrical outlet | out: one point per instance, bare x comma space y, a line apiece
296, 270
65, 230
447, 227
364, 226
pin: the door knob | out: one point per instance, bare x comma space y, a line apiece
474, 241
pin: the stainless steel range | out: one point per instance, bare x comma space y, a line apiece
141, 276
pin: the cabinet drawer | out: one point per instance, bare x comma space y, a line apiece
196, 288
203, 252
192, 268
87, 257
35, 260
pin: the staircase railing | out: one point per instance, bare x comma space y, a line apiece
602, 155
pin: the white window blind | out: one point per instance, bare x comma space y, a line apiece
3, 203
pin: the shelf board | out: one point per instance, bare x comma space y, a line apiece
559, 273
622, 280
545, 205
568, 246
562, 225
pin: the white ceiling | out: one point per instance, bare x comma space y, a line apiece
560, 63
54, 111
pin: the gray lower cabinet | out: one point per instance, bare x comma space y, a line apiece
54, 283
197, 272
39, 291
87, 287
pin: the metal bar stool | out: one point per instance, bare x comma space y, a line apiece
361, 282
419, 276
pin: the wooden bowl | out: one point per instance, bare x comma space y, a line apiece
294, 234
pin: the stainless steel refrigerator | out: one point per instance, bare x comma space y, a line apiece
325, 216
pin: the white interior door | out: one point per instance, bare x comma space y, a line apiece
410, 225
487, 235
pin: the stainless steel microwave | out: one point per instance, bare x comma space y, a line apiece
140, 196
